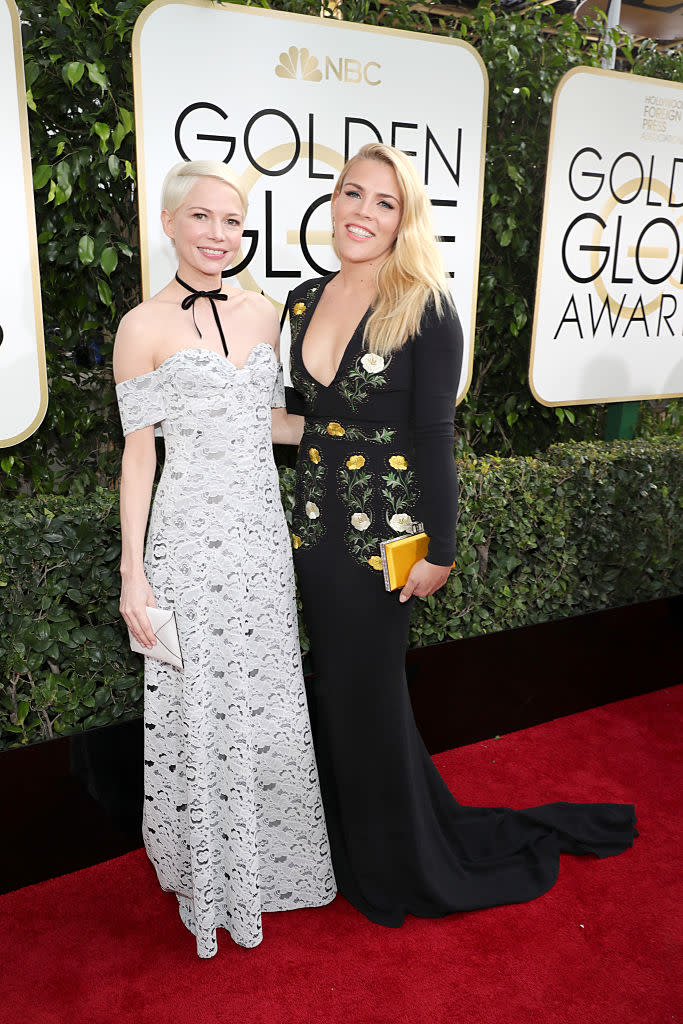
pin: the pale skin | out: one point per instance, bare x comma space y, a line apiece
366, 214
206, 230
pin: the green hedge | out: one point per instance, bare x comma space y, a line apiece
63, 650
585, 527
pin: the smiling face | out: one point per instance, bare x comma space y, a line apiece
206, 228
367, 212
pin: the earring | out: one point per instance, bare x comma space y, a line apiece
333, 229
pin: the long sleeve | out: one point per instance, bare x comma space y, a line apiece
437, 361
294, 306
294, 402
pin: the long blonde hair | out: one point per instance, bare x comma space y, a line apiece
413, 272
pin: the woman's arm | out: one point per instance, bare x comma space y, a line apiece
437, 360
137, 478
287, 428
133, 357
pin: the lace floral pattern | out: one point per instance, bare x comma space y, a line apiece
233, 820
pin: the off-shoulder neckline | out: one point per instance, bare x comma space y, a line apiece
209, 351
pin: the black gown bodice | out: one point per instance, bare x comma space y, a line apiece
378, 445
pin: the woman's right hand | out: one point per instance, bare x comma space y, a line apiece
136, 596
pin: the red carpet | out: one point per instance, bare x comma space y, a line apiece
105, 946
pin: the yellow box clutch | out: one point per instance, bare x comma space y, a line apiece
399, 555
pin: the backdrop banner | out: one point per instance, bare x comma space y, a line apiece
284, 99
23, 380
608, 322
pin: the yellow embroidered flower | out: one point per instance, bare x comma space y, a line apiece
335, 429
375, 562
355, 461
299, 308
398, 462
296, 541
314, 455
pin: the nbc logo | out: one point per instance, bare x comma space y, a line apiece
295, 58
299, 63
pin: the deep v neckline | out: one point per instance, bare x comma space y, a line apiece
347, 347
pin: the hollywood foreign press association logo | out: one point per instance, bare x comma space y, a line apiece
298, 63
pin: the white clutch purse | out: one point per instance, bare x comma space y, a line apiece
167, 647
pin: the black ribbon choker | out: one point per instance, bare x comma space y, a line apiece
215, 295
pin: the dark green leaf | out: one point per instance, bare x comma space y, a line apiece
86, 250
42, 175
109, 260
104, 292
74, 71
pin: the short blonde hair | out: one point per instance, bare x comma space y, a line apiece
183, 176
413, 273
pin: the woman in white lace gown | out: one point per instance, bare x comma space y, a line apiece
233, 820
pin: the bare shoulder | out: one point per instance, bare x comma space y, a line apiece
135, 341
258, 304
261, 316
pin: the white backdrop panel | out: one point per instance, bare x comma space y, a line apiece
23, 382
608, 322
284, 98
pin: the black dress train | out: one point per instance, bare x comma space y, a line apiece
377, 452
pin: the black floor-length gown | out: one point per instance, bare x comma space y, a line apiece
377, 452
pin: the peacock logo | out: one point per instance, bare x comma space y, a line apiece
298, 63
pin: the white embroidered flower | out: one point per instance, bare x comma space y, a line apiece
312, 510
360, 521
401, 522
372, 363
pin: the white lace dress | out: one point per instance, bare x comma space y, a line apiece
233, 820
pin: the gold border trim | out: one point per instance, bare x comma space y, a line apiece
287, 16
32, 233
600, 72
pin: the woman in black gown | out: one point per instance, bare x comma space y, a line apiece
375, 363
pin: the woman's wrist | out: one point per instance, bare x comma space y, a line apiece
130, 572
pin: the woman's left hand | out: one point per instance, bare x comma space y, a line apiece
424, 579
